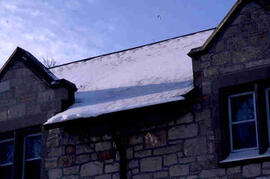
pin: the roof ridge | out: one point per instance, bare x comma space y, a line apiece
87, 59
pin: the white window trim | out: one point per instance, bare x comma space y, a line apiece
245, 155
231, 123
25, 160
268, 112
10, 163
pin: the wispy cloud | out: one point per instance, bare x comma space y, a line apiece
49, 30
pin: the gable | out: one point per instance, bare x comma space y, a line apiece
27, 97
245, 15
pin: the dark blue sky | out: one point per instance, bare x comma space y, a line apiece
68, 30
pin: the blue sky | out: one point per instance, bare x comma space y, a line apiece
68, 30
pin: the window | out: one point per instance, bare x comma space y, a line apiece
247, 117
243, 122
6, 158
20, 155
31, 156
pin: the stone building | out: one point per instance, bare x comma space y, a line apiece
195, 106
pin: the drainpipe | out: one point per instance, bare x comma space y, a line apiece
120, 142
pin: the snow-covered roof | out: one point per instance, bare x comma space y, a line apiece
143, 76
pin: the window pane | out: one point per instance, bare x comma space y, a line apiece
6, 152
32, 169
6, 172
244, 135
242, 108
32, 147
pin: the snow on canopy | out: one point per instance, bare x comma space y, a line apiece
143, 76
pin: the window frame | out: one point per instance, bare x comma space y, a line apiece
229, 156
253, 120
237, 82
18, 137
267, 90
3, 141
24, 150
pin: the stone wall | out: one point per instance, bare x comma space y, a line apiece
180, 148
175, 148
25, 99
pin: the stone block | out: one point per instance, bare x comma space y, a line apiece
4, 86
71, 170
45, 96
66, 161
50, 163
71, 177
230, 69
3, 116
94, 156
179, 170
170, 159
82, 158
70, 149
231, 32
103, 177
143, 153
221, 58
135, 171
91, 169
54, 152
143, 176
196, 146
212, 71
83, 148
186, 159
168, 149
183, 132
266, 171
32, 109
106, 155
155, 139
138, 147
16, 111
136, 140
52, 140
161, 175
251, 170
111, 168
102, 146
187, 118
233, 170
244, 55
133, 164
150, 164
116, 176
55, 173
266, 165
212, 173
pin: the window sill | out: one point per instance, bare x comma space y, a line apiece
245, 155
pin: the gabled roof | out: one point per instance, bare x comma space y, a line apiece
238, 5
143, 76
36, 67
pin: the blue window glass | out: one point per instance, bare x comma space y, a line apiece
32, 147
242, 108
6, 158
243, 123
6, 152
32, 154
